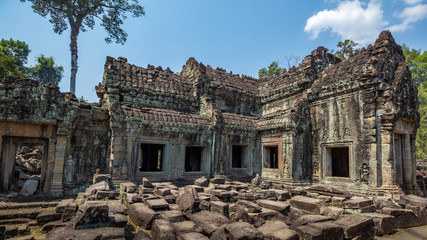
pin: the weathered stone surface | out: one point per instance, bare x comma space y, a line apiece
307, 204
157, 204
192, 236
329, 190
51, 225
281, 207
202, 182
128, 187
249, 206
242, 230
357, 202
101, 177
141, 235
320, 231
208, 221
185, 227
146, 183
404, 218
163, 230
384, 224
269, 228
306, 219
357, 226
171, 216
413, 200
188, 201
29, 188
91, 213
332, 212
142, 215
220, 207
100, 186
62, 234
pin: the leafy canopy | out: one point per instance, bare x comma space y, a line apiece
272, 70
46, 71
81, 14
345, 49
417, 63
13, 56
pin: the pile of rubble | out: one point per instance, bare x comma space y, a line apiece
27, 170
222, 209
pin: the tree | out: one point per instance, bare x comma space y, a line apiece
80, 14
13, 56
46, 71
272, 70
417, 63
346, 48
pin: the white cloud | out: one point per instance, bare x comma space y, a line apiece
410, 15
412, 2
350, 20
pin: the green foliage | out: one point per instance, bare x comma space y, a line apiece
82, 99
272, 70
46, 71
418, 66
345, 49
417, 63
13, 56
80, 15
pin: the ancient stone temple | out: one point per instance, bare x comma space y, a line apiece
350, 123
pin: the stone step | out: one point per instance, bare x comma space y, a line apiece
14, 221
14, 205
15, 230
30, 213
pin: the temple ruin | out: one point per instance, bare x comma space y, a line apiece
349, 123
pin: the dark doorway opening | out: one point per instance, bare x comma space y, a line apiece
237, 156
271, 157
340, 162
193, 159
151, 157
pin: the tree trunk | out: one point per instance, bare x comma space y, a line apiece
74, 57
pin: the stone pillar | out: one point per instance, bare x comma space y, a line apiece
407, 162
58, 169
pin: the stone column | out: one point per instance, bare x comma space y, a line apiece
407, 162
58, 169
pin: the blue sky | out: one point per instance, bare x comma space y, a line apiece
241, 36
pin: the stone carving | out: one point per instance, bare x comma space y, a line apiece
69, 169
364, 173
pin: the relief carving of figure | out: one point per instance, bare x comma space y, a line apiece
364, 173
69, 169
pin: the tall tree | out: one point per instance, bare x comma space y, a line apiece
345, 49
80, 14
46, 71
13, 56
272, 70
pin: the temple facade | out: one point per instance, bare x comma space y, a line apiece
350, 123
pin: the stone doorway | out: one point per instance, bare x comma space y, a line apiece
151, 157
271, 157
23, 165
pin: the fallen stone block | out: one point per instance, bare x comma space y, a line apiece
241, 215
404, 218
208, 221
217, 180
101, 186
281, 207
192, 236
117, 220
141, 235
220, 207
146, 183
62, 234
269, 228
61, 205
185, 227
332, 212
105, 195
333, 191
157, 204
306, 219
188, 201
29, 188
357, 202
413, 201
172, 216
357, 225
144, 190
51, 225
268, 214
162, 192
320, 231
242, 231
101, 178
47, 216
282, 195
384, 224
162, 230
307, 204
128, 187
202, 182
249, 206
142, 215
91, 213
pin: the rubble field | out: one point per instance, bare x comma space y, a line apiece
219, 208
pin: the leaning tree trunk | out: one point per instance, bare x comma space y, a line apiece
73, 48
